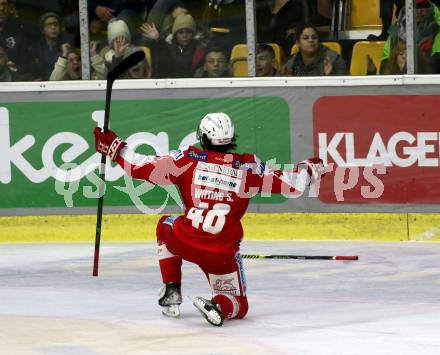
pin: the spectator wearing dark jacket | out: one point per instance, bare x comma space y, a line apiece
215, 65
14, 36
183, 56
48, 48
313, 59
266, 61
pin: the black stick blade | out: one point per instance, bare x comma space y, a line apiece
127, 63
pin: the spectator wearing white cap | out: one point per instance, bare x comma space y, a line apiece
119, 39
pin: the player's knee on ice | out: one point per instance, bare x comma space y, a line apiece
232, 306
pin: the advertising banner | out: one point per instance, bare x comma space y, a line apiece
47, 158
381, 149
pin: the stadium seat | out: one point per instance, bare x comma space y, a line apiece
334, 46
147, 52
239, 58
364, 14
358, 65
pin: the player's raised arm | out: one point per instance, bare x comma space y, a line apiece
157, 170
292, 182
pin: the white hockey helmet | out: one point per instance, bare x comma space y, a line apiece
218, 127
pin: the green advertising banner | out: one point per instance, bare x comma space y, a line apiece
47, 157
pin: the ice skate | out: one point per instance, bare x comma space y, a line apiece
209, 310
170, 297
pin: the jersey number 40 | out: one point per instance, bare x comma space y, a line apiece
212, 220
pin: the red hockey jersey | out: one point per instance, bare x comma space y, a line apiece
216, 189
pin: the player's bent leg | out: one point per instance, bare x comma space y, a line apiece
228, 285
231, 306
170, 296
170, 263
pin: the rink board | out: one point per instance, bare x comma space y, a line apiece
352, 123
257, 226
379, 136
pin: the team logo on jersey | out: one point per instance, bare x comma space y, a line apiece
218, 177
227, 283
227, 158
217, 181
220, 169
197, 155
257, 167
248, 167
224, 286
177, 154
261, 168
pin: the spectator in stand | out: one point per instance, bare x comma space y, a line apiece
426, 36
48, 48
266, 62
15, 37
396, 65
215, 65
141, 70
312, 58
183, 56
68, 10
68, 65
119, 39
6, 73
163, 14
120, 46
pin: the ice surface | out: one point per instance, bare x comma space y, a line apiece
386, 303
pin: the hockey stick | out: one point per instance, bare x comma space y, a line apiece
127, 63
302, 257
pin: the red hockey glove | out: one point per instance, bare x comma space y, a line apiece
315, 167
108, 143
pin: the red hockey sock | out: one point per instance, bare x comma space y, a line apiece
170, 268
170, 265
232, 306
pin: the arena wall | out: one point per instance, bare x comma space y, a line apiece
378, 135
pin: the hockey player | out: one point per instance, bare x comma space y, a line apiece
216, 187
